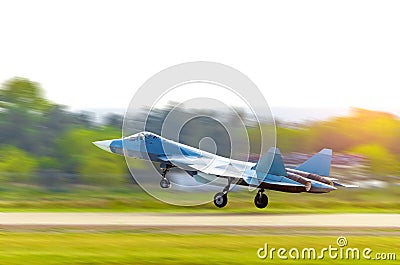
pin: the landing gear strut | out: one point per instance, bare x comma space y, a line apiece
164, 183
221, 198
261, 200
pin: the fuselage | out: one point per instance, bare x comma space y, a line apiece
155, 148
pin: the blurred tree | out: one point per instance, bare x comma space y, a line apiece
32, 123
79, 155
286, 139
84, 118
17, 162
23, 111
24, 94
359, 128
46, 162
113, 120
381, 161
32, 127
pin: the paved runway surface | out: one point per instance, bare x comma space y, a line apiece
200, 220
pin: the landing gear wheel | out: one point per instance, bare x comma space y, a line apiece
164, 183
220, 199
261, 200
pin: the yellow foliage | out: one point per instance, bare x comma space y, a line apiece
381, 161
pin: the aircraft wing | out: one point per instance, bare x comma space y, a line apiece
218, 171
269, 170
210, 164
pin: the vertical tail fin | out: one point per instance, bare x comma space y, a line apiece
319, 164
272, 163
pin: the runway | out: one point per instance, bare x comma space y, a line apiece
199, 220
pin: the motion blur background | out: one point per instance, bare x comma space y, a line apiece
46, 151
68, 69
329, 72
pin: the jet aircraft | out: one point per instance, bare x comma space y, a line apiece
269, 173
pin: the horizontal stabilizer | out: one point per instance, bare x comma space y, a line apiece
272, 163
319, 163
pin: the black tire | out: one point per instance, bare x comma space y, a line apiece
164, 183
220, 199
261, 200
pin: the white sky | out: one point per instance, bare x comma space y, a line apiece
95, 54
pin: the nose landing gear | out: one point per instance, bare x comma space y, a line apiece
165, 183
221, 198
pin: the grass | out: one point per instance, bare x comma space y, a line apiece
183, 246
17, 197
128, 247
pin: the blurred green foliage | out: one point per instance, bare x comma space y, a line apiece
24, 94
42, 138
381, 161
16, 161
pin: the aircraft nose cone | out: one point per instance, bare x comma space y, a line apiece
105, 145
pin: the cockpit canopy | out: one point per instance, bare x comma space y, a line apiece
141, 136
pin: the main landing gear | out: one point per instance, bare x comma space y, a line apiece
261, 200
221, 198
165, 183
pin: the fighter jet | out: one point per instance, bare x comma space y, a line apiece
269, 173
